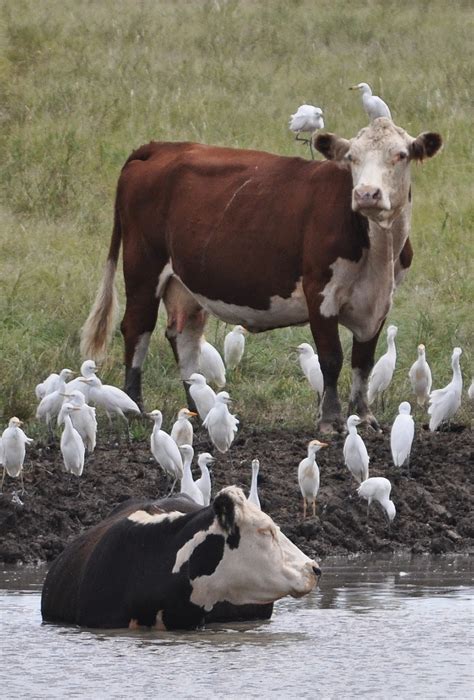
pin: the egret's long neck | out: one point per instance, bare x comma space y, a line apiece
392, 350
187, 466
352, 430
457, 370
68, 423
158, 423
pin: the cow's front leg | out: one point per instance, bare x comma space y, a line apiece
363, 355
326, 337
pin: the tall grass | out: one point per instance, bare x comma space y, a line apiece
85, 83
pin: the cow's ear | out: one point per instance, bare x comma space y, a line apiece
224, 508
425, 145
331, 146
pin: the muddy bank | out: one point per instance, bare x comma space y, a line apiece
434, 505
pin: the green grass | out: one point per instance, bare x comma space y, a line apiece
85, 83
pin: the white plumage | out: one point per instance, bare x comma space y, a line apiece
373, 105
445, 402
402, 434
308, 476
220, 423
88, 369
309, 363
188, 484
72, 447
47, 386
13, 451
165, 450
470, 391
113, 400
306, 119
182, 431
356, 457
420, 377
378, 488
253, 494
50, 405
204, 482
211, 364
83, 418
234, 346
382, 371
201, 393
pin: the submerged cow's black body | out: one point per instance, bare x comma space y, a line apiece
120, 572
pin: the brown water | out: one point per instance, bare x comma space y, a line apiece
393, 628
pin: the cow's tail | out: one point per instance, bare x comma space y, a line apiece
100, 324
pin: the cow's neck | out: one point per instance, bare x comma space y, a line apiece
387, 244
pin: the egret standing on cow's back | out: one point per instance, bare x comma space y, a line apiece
373, 105
401, 435
445, 402
307, 119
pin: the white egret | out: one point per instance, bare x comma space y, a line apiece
201, 393
445, 402
420, 377
401, 435
165, 450
382, 371
211, 364
234, 346
112, 399
47, 386
470, 391
50, 405
204, 482
188, 484
309, 363
308, 475
307, 119
72, 447
378, 488
373, 105
13, 451
356, 457
182, 431
83, 419
220, 423
88, 369
253, 495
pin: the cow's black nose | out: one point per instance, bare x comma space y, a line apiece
317, 571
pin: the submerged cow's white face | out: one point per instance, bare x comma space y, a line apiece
379, 159
255, 563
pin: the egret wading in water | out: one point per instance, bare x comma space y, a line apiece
420, 377
378, 488
382, 371
211, 364
83, 419
188, 485
307, 119
204, 482
373, 105
445, 402
165, 450
201, 393
234, 347
72, 447
356, 457
253, 495
13, 451
401, 436
182, 431
220, 423
308, 476
309, 363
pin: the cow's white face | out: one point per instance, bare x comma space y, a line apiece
379, 159
257, 563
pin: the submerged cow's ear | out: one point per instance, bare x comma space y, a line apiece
224, 508
425, 145
331, 146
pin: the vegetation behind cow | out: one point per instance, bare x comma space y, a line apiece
85, 83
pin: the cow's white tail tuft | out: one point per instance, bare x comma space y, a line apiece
100, 324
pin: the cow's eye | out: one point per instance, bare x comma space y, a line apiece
266, 531
349, 157
402, 155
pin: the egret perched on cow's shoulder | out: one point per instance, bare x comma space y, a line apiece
201, 393
308, 475
165, 450
182, 430
253, 495
309, 363
72, 447
204, 482
12, 451
401, 435
188, 485
355, 452
220, 423
307, 119
420, 377
378, 488
373, 105
382, 371
234, 346
445, 402
211, 364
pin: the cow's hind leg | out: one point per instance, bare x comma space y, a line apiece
362, 362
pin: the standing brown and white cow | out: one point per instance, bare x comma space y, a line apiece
264, 241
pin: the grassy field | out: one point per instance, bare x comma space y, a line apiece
84, 83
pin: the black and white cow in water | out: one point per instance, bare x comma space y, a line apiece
173, 565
